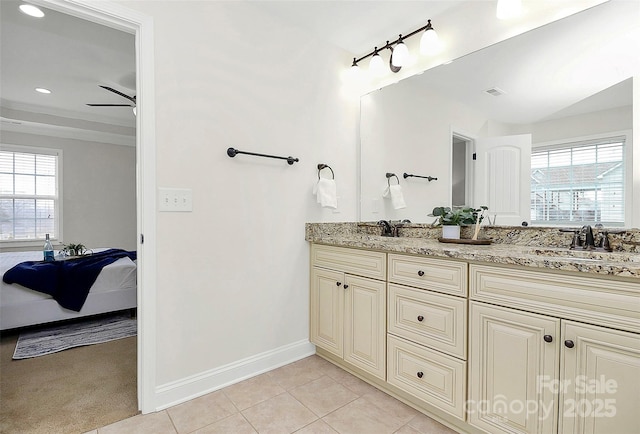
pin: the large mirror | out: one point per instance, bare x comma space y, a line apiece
569, 81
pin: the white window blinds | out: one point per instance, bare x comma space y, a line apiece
28, 194
579, 182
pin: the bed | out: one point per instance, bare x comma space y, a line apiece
114, 289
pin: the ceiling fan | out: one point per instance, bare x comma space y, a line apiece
110, 89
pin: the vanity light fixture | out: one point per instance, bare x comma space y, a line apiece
429, 44
376, 65
400, 54
354, 71
31, 10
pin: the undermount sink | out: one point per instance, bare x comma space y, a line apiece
583, 255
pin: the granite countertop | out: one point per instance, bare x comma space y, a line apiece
601, 263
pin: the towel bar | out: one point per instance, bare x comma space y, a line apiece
231, 152
430, 178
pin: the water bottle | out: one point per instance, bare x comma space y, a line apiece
48, 249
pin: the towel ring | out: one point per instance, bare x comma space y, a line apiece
325, 166
389, 175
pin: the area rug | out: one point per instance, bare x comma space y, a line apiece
62, 337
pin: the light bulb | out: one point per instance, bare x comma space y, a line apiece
376, 65
31, 11
400, 54
508, 9
430, 43
354, 72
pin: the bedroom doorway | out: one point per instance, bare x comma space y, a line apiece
135, 23
462, 157
141, 25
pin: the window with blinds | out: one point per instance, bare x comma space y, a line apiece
28, 194
579, 182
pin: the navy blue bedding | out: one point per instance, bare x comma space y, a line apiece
68, 282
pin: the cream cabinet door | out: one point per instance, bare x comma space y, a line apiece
511, 352
600, 391
365, 325
327, 309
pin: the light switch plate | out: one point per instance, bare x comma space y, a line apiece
175, 200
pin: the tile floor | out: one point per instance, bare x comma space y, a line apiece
304, 397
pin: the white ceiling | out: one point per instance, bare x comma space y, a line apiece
68, 56
72, 57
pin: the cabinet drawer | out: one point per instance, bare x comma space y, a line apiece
361, 262
428, 375
435, 320
435, 274
610, 303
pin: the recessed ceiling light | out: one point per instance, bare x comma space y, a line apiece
31, 10
42, 90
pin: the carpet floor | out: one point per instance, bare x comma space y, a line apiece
73, 391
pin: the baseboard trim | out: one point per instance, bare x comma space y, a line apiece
194, 386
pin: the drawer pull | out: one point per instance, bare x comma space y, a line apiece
420, 273
338, 283
420, 374
548, 338
346, 286
569, 344
420, 318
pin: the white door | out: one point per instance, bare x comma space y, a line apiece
502, 180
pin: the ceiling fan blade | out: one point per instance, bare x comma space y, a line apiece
110, 89
111, 105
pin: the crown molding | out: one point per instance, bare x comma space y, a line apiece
42, 129
33, 108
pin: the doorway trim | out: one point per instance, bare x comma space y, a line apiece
470, 169
134, 22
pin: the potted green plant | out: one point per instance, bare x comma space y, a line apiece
74, 249
452, 219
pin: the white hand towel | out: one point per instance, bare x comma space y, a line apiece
397, 199
325, 191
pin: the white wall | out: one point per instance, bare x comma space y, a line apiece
589, 124
233, 274
423, 148
99, 190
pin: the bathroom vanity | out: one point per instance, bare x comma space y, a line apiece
501, 338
